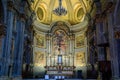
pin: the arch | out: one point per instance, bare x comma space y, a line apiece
60, 25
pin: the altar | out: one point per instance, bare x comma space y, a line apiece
59, 55
60, 68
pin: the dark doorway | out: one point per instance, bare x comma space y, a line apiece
79, 74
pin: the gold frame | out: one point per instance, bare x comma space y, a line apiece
80, 58
41, 39
78, 40
39, 58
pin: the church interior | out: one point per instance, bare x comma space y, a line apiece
59, 39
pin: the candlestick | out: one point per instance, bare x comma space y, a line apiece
65, 60
69, 60
50, 61
73, 60
54, 60
46, 60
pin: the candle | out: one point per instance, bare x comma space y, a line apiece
50, 61
69, 60
46, 60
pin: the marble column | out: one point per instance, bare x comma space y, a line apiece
18, 55
21, 46
48, 43
113, 53
70, 45
17, 41
7, 45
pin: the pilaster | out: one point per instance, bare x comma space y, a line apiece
6, 51
19, 44
20, 54
114, 57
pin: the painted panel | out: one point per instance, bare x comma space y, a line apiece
40, 41
39, 59
80, 41
60, 42
80, 59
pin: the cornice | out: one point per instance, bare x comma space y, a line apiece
75, 28
41, 27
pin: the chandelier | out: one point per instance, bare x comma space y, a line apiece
60, 10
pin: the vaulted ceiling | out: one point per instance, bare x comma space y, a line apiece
76, 10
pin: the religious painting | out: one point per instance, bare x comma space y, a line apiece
59, 42
80, 58
39, 58
80, 41
40, 40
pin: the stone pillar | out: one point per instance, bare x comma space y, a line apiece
48, 44
19, 49
70, 46
114, 57
19, 45
17, 41
86, 52
6, 62
72, 43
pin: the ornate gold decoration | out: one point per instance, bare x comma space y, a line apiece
76, 10
60, 25
80, 58
40, 13
80, 41
40, 40
79, 13
39, 58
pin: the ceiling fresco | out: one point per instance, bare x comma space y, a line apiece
76, 10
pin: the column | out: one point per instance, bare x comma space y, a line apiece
73, 60
7, 45
114, 57
21, 46
48, 43
54, 60
17, 42
70, 45
46, 61
69, 60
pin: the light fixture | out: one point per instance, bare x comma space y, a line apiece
60, 10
